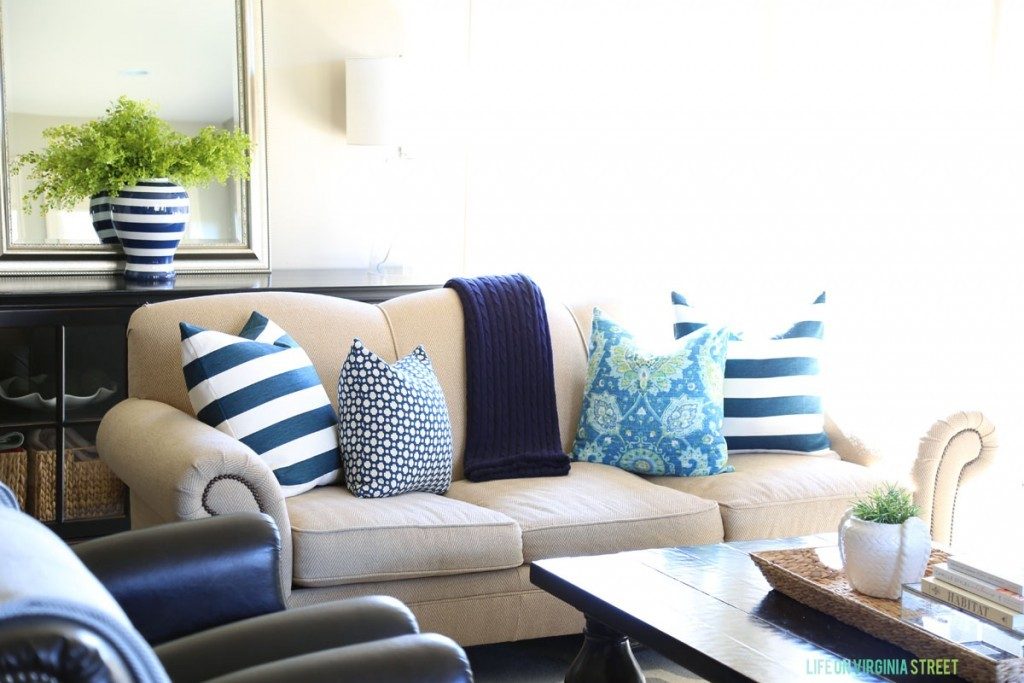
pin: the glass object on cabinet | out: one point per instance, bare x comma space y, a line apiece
94, 362
28, 376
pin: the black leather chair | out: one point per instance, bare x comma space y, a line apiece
192, 601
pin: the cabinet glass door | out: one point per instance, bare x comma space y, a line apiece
28, 402
94, 361
28, 377
61, 370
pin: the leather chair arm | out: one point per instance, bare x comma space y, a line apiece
427, 658
184, 469
273, 637
176, 579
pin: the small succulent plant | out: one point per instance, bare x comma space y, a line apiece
886, 504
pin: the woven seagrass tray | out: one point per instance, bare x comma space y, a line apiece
801, 575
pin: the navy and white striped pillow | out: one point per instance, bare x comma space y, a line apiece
772, 385
261, 388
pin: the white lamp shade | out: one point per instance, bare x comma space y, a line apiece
374, 101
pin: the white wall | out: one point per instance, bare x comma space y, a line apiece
748, 152
328, 199
745, 151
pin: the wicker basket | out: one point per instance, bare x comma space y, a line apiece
91, 489
801, 575
14, 472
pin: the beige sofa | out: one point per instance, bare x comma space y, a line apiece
461, 561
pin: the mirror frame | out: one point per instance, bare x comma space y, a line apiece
251, 255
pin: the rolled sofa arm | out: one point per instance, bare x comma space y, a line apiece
184, 469
955, 451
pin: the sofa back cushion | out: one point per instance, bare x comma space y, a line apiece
434, 319
323, 326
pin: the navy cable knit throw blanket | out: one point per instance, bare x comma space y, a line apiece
512, 418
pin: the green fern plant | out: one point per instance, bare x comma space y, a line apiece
886, 504
127, 144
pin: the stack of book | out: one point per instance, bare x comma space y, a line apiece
993, 593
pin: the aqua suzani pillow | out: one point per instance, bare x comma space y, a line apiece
653, 414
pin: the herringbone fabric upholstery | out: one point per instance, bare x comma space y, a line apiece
774, 495
323, 326
482, 607
595, 509
338, 538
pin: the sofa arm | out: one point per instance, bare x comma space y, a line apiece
184, 469
955, 452
849, 447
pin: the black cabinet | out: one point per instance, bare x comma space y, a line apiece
61, 369
63, 364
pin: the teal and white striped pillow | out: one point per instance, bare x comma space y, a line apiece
261, 388
772, 384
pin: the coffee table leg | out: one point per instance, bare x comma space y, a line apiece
604, 658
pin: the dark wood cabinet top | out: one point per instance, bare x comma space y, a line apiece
109, 290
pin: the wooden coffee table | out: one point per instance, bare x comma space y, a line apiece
709, 609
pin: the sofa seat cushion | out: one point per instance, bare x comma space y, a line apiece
595, 509
338, 538
774, 495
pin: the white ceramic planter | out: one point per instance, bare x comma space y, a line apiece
880, 558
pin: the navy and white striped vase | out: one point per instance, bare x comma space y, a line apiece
150, 219
99, 211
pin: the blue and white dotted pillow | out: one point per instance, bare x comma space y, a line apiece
772, 384
393, 425
261, 388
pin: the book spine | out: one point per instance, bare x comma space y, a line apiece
969, 603
986, 590
985, 576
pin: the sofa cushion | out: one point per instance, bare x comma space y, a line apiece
338, 538
772, 384
773, 495
653, 413
262, 389
434, 319
395, 434
315, 321
595, 509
